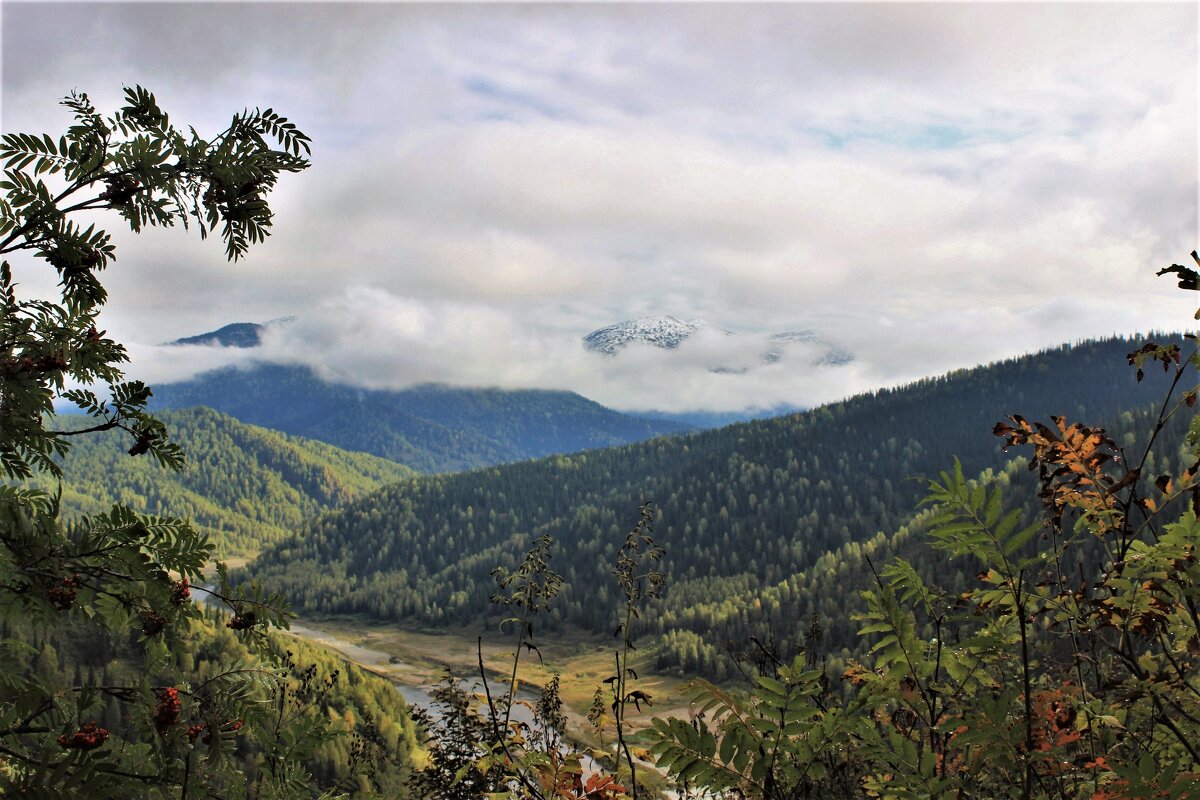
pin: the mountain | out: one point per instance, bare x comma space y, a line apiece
833, 355
704, 420
236, 334
429, 428
245, 486
666, 332
783, 509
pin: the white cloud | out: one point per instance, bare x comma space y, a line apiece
932, 185
375, 339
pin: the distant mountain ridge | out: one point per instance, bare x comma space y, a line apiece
705, 420
429, 428
665, 331
669, 333
235, 334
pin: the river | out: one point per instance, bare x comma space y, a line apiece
386, 665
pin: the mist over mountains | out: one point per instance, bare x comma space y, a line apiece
669, 333
650, 367
235, 334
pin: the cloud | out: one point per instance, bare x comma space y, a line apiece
930, 185
368, 337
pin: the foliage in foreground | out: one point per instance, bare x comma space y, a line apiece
501, 745
1059, 674
351, 729
1068, 670
118, 572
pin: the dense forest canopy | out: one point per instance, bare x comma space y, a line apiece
243, 486
748, 513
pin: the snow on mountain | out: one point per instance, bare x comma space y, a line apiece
833, 356
669, 332
666, 332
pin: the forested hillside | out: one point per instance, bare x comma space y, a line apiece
245, 486
428, 428
701, 625
355, 702
768, 505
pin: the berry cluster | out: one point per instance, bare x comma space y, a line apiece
89, 737
120, 189
41, 365
180, 592
166, 713
73, 262
152, 622
142, 445
242, 621
230, 726
63, 595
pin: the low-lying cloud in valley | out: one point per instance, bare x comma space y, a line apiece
371, 338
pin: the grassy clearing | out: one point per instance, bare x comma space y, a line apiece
582, 662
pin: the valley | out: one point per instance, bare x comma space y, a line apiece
765, 523
772, 530
415, 661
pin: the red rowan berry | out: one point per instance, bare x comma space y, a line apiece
62, 597
88, 737
166, 713
180, 592
152, 622
243, 621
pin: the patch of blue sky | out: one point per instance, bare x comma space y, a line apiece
513, 100
920, 137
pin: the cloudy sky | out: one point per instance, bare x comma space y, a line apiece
931, 186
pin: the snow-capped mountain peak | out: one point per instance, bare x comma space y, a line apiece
669, 332
833, 356
665, 331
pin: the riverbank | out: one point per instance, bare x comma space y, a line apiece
416, 660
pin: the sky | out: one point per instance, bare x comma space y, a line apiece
930, 186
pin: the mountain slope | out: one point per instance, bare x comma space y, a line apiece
666, 332
245, 486
429, 428
740, 509
235, 334
669, 333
